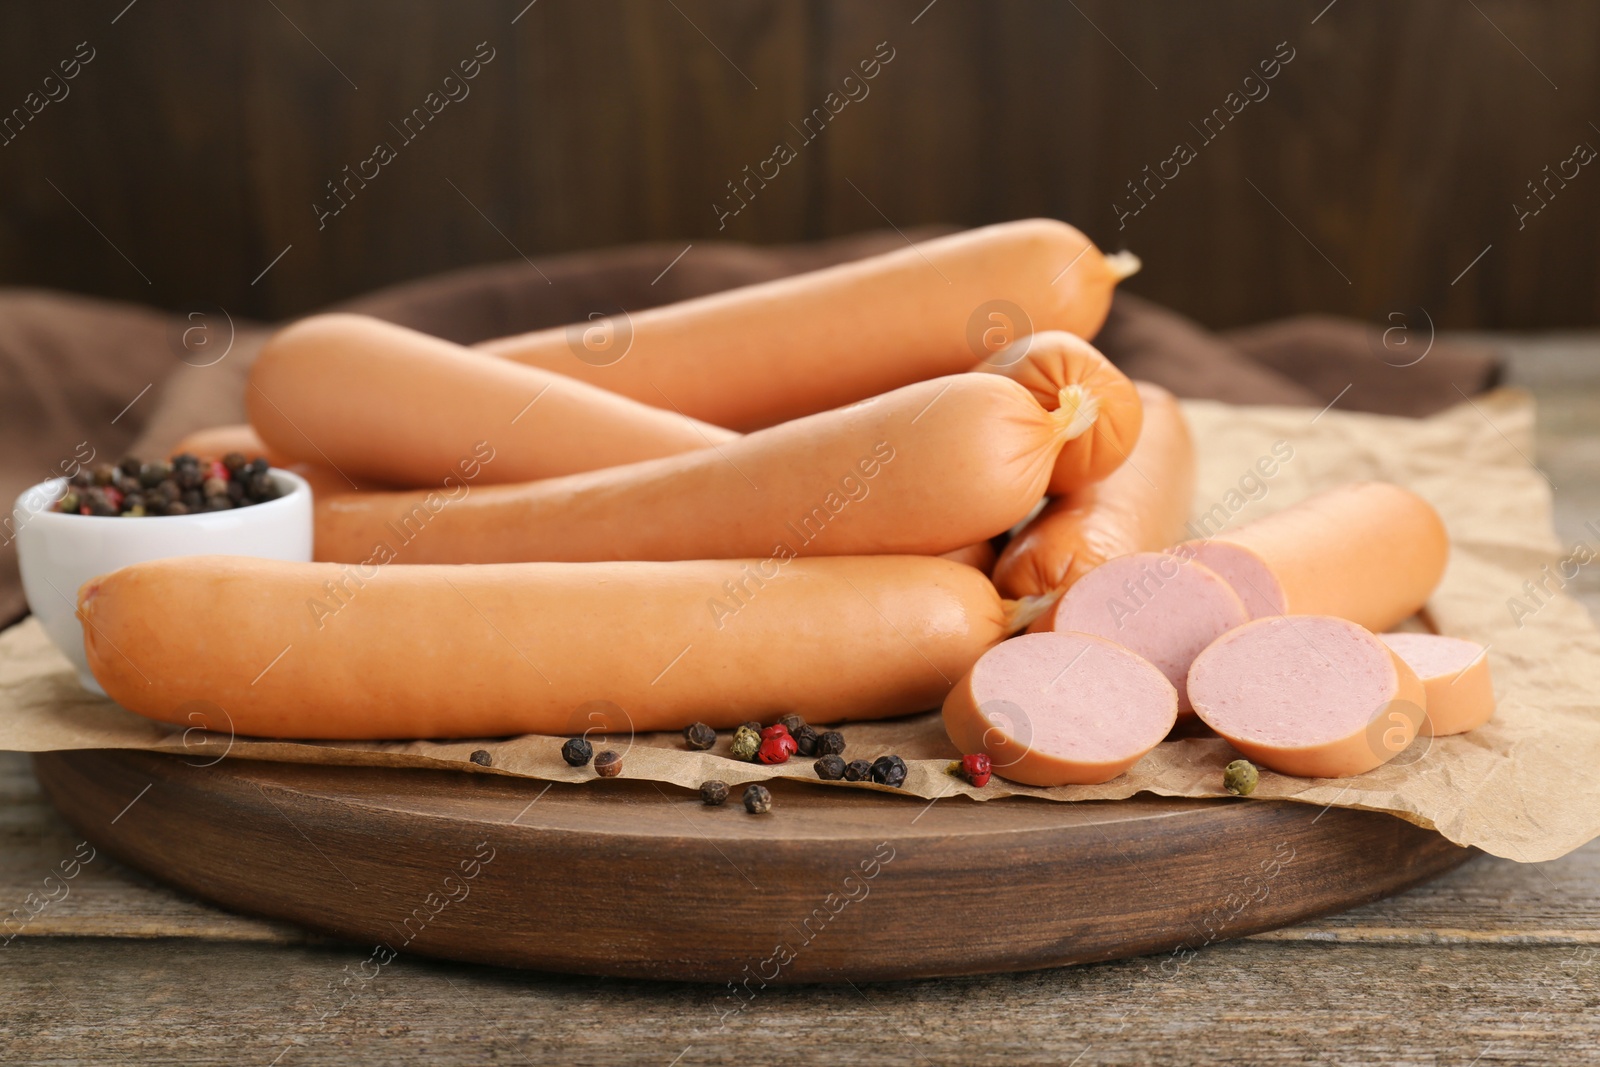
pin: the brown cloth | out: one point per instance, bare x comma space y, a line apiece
82, 377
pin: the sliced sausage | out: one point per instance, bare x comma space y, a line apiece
324, 651
1455, 673
1309, 695
1140, 507
1162, 606
1369, 552
1060, 709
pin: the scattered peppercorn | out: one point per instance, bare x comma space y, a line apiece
777, 729
746, 743
753, 725
857, 770
776, 749
713, 793
757, 799
1240, 777
608, 764
792, 723
805, 740
699, 736
831, 743
976, 768
577, 752
482, 758
829, 768
183, 487
889, 770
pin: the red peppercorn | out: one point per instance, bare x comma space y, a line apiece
976, 768
217, 469
777, 729
776, 749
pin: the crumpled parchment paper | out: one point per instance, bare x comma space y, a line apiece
1526, 786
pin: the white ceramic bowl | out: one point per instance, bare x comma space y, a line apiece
58, 552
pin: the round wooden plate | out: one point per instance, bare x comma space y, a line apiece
634, 879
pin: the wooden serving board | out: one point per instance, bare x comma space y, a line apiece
634, 879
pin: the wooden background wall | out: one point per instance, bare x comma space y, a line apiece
1389, 154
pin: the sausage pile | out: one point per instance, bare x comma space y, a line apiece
735, 508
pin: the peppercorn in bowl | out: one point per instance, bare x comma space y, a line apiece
69, 530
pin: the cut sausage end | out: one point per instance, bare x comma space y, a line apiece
1455, 674
1060, 709
1162, 606
1308, 695
1248, 573
1123, 265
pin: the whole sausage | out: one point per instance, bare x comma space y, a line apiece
1308, 695
1141, 507
1455, 674
378, 401
1102, 407
1060, 709
922, 470
1369, 552
309, 650
767, 353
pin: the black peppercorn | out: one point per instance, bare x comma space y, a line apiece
792, 723
753, 725
857, 770
889, 770
805, 740
608, 764
831, 743
234, 460
757, 799
699, 736
829, 768
713, 793
577, 752
482, 758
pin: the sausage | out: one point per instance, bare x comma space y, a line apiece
979, 555
764, 354
382, 402
1455, 674
1369, 552
325, 651
1101, 407
1141, 507
1164, 607
1060, 709
1309, 695
922, 470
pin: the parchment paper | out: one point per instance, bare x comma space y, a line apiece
1525, 787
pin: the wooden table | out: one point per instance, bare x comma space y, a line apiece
1496, 963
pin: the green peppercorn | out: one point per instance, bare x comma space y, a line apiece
713, 793
70, 501
577, 752
746, 743
805, 740
699, 736
1240, 777
831, 743
829, 768
792, 723
608, 764
857, 770
757, 799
